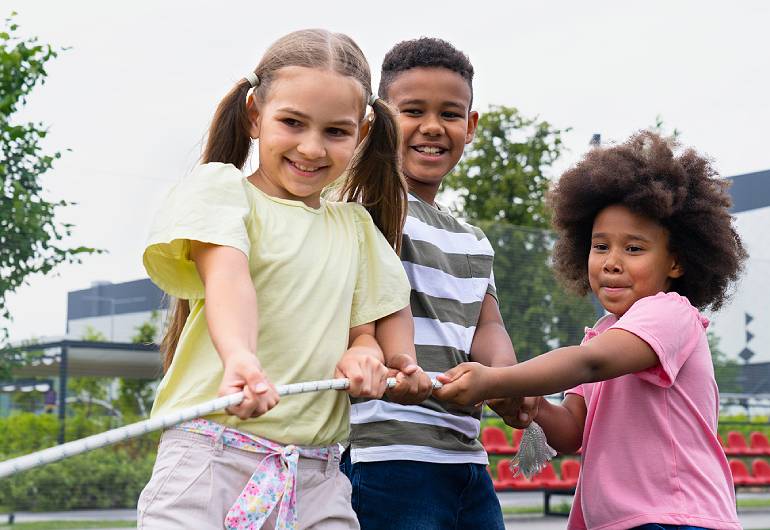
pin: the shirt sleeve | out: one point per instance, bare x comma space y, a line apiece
671, 326
382, 287
210, 206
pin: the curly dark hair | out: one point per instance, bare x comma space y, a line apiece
683, 193
423, 52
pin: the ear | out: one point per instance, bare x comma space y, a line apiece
365, 128
473, 122
677, 270
253, 113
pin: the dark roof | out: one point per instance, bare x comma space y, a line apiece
750, 191
115, 298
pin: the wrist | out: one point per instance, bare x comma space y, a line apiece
366, 351
239, 355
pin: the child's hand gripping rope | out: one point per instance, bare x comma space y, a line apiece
467, 383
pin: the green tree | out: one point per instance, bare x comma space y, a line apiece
501, 186
29, 233
726, 371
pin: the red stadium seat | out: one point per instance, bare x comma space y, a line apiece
516, 439
506, 480
761, 471
547, 479
741, 476
736, 444
570, 470
494, 441
759, 443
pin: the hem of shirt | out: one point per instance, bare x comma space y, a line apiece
680, 519
417, 453
383, 309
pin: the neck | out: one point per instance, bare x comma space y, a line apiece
426, 192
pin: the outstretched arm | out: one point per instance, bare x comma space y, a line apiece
231, 314
613, 353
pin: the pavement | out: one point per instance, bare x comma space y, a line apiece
751, 519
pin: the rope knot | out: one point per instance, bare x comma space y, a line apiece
289, 452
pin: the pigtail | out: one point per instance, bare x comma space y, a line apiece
228, 139
228, 142
375, 179
176, 322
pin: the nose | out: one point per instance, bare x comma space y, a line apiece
311, 146
612, 263
431, 125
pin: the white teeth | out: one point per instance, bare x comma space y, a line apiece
304, 168
429, 150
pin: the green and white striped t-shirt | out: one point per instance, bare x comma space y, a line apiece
449, 265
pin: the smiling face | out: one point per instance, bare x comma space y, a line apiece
436, 123
308, 129
629, 259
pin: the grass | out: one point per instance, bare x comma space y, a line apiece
64, 525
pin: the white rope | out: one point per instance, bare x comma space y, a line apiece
52, 454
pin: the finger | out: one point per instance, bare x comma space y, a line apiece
452, 374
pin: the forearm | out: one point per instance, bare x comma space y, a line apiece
363, 340
395, 335
562, 429
491, 344
231, 312
546, 374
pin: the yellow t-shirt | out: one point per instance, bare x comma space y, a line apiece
317, 273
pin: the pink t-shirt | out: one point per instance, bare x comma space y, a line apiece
650, 448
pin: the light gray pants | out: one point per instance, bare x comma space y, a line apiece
196, 480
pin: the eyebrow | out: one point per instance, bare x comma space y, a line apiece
295, 112
635, 237
423, 102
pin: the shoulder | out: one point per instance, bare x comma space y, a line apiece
214, 181
351, 210
440, 227
665, 306
216, 172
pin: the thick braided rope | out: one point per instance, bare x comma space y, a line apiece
52, 454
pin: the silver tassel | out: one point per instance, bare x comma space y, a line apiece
534, 452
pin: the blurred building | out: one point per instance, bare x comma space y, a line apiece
743, 325
114, 311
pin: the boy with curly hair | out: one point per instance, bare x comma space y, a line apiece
424, 461
650, 234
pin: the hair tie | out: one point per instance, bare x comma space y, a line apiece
372, 99
253, 79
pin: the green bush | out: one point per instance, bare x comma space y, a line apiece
110, 477
105, 478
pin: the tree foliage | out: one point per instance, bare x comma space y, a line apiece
30, 236
501, 185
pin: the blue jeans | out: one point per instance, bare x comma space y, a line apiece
422, 496
656, 526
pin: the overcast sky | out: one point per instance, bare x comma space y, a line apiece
133, 95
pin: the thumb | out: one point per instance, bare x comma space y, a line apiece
451, 375
255, 380
403, 363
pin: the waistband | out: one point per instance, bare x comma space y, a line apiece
272, 484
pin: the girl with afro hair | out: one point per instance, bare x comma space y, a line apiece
649, 233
